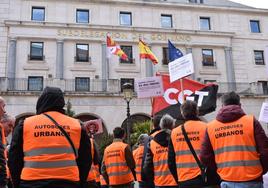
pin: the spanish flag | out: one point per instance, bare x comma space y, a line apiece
146, 53
114, 49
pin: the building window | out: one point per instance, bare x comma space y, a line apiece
82, 16
166, 21
210, 81
129, 53
38, 13
82, 53
165, 60
82, 84
255, 26
205, 23
35, 83
259, 58
196, 1
36, 51
126, 80
208, 59
264, 85
125, 18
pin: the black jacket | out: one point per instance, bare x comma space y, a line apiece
50, 100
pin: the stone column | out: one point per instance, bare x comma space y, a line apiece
149, 67
230, 73
11, 64
104, 67
188, 51
60, 60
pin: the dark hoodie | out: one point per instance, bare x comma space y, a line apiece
51, 99
228, 114
162, 138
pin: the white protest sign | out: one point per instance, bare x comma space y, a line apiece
264, 113
149, 87
181, 67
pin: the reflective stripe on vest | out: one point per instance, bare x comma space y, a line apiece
187, 167
160, 163
48, 155
238, 163
162, 174
138, 155
186, 152
235, 149
49, 164
40, 151
115, 163
121, 173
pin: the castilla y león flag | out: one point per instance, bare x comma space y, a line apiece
204, 94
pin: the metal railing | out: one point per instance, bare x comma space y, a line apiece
68, 85
110, 86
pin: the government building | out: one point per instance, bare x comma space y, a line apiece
63, 43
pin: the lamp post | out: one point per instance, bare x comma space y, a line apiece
128, 95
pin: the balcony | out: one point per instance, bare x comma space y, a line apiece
67, 85
111, 86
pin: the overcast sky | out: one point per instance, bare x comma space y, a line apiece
254, 3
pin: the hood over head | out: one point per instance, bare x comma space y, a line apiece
163, 137
51, 99
230, 113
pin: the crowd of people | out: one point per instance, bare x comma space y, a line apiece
53, 150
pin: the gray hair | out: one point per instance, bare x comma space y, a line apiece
2, 99
167, 122
7, 118
142, 138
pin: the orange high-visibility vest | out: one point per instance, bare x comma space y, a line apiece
91, 174
97, 172
138, 155
102, 180
162, 174
94, 174
235, 150
4, 142
47, 152
114, 159
187, 167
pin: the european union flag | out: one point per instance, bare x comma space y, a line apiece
173, 52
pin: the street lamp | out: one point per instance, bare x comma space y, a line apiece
128, 95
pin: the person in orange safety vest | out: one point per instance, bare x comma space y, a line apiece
156, 161
3, 170
41, 155
138, 155
236, 145
118, 166
8, 124
182, 163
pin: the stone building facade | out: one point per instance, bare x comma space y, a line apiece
62, 43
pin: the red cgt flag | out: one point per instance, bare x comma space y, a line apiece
204, 94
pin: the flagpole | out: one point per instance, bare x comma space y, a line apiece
182, 90
108, 70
